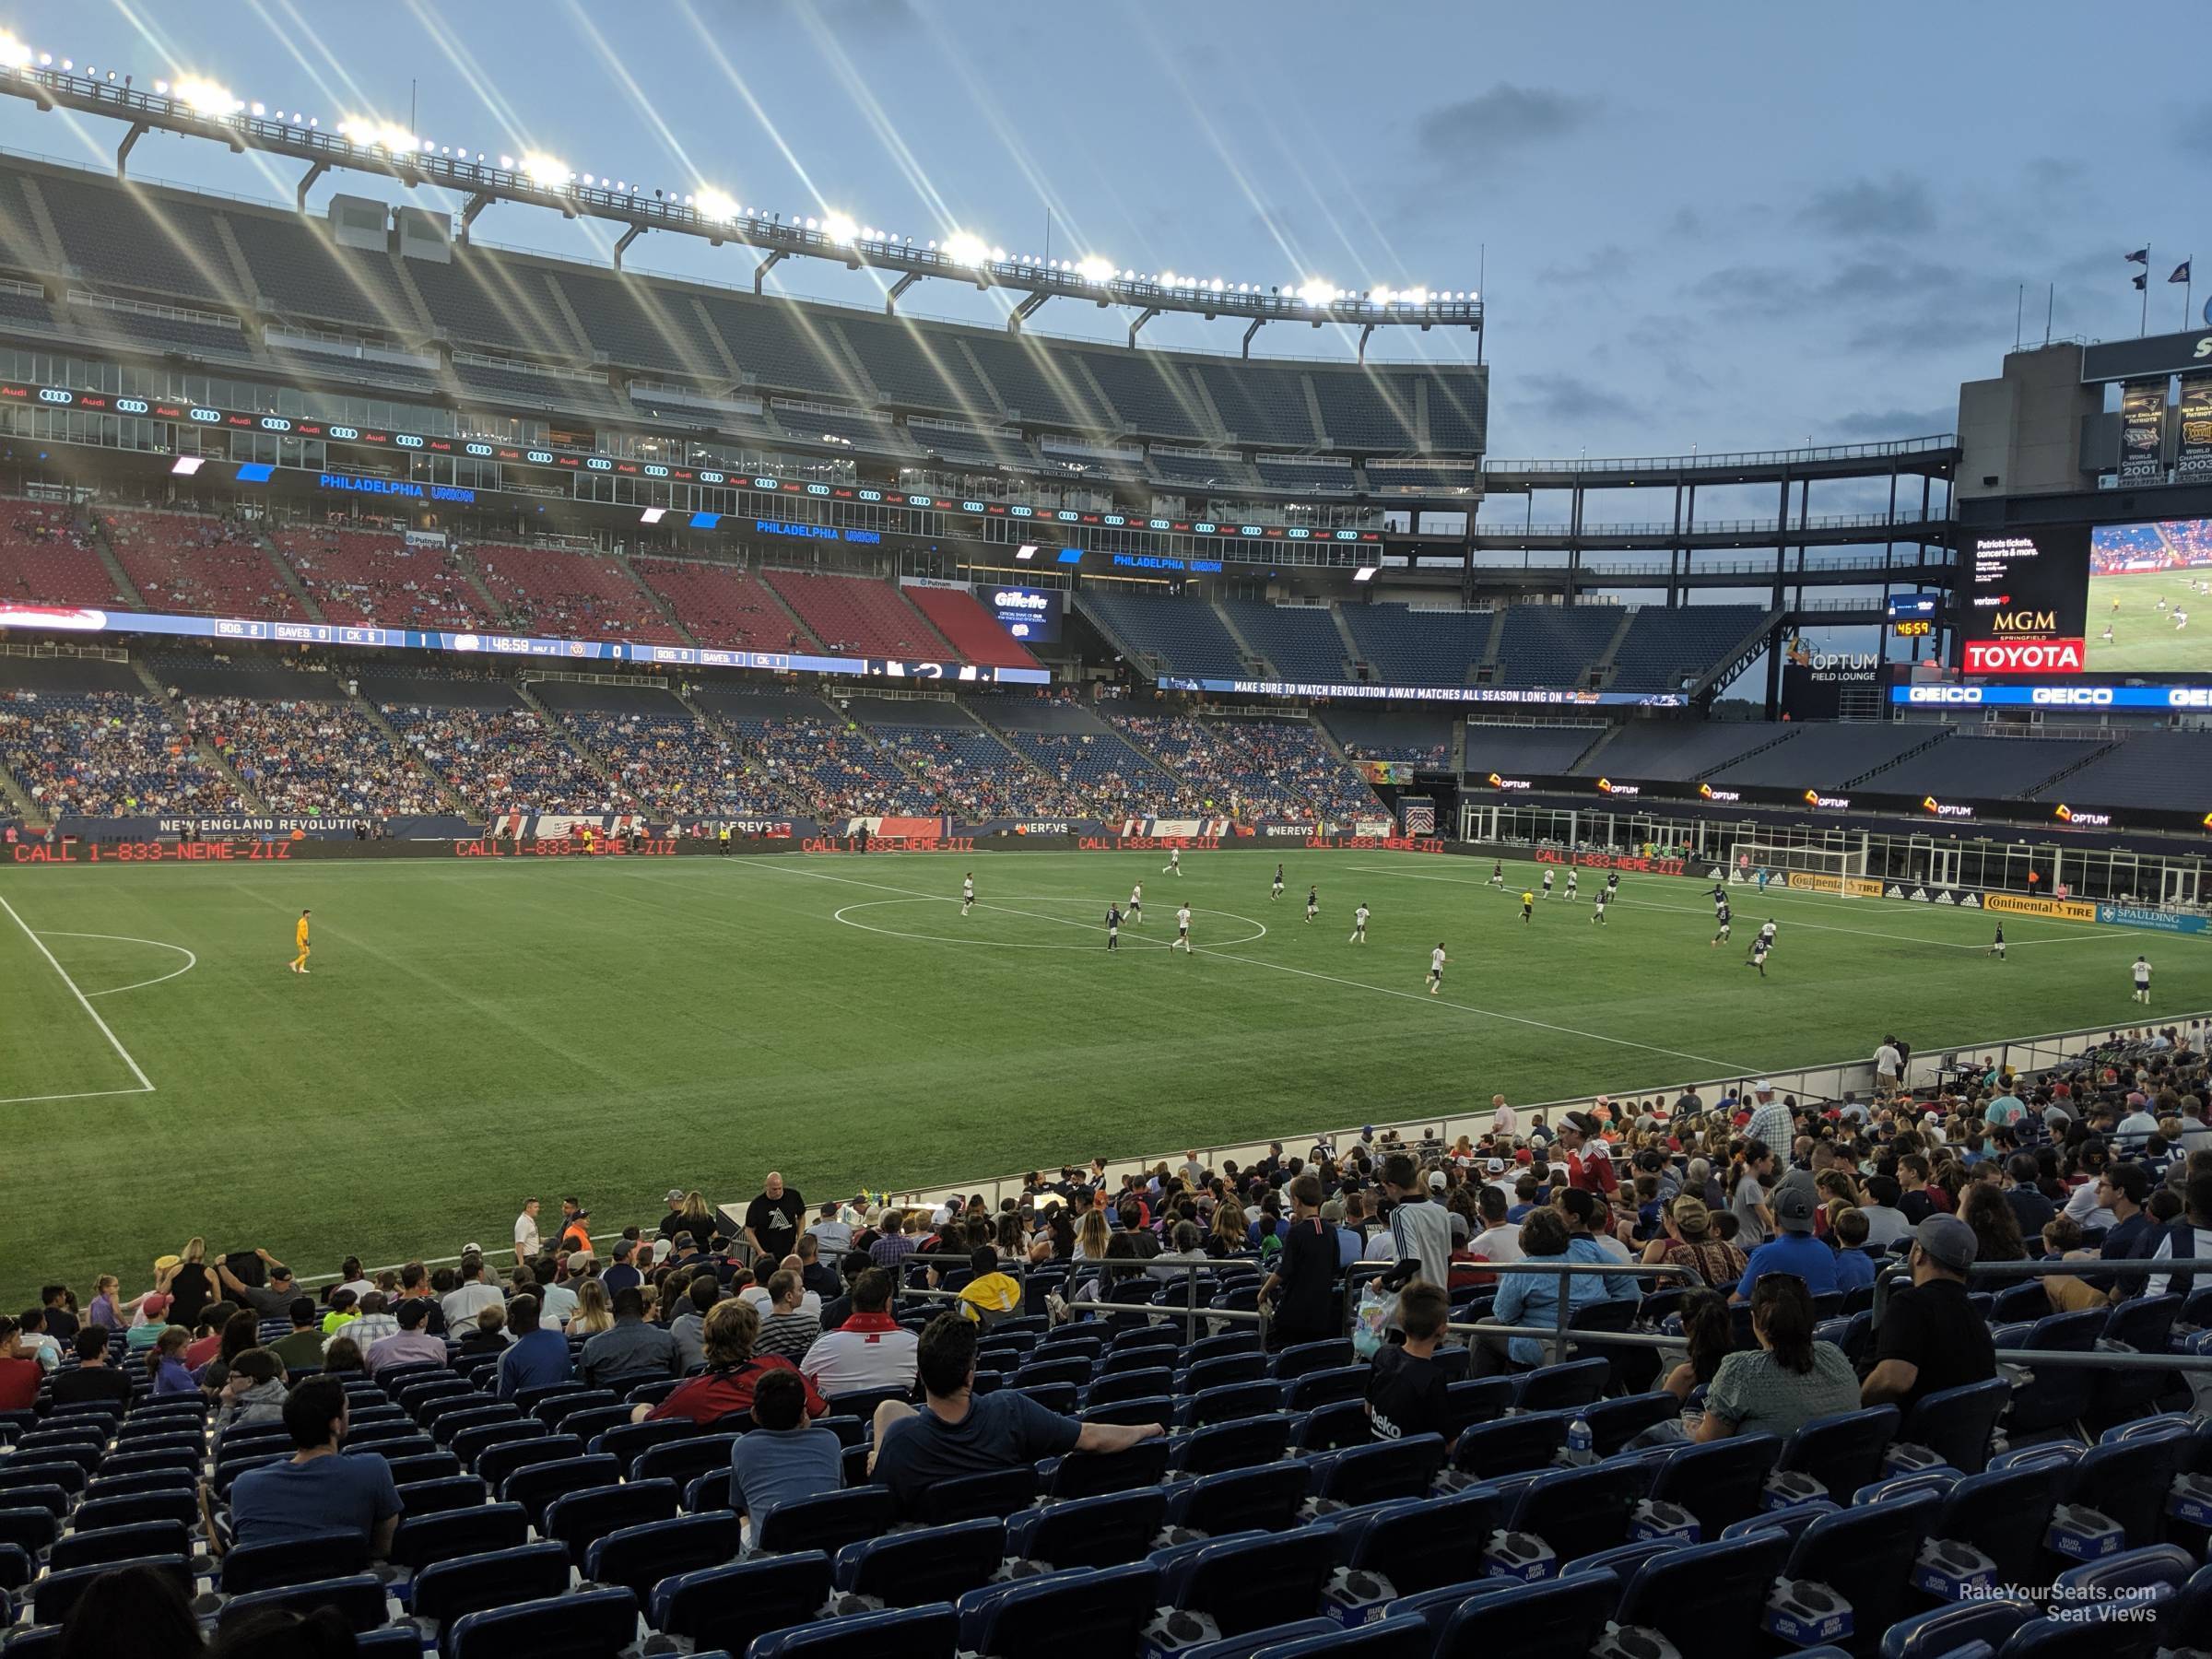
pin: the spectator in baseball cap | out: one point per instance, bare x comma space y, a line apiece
1930, 1338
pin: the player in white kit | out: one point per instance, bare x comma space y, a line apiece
1436, 968
1136, 904
1571, 880
1358, 926
967, 893
1550, 876
1174, 865
2141, 970
1182, 928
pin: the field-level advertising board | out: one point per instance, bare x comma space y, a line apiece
1829, 869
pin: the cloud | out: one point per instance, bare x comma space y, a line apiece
1570, 397
1897, 205
1609, 263
1504, 118
1870, 425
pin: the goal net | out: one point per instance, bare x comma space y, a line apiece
1819, 869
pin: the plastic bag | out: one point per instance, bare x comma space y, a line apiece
1371, 1321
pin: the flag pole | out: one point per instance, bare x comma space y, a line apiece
2143, 328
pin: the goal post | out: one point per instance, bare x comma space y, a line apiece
1837, 870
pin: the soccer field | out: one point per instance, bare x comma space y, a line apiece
473, 1031
2144, 637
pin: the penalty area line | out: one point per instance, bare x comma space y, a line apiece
145, 1083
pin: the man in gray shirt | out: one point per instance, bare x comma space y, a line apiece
1420, 1228
633, 1352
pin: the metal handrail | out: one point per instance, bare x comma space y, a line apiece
1890, 1272
1829, 452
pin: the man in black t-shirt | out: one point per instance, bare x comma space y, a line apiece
94, 1377
1930, 1338
771, 1220
1406, 1387
1301, 1294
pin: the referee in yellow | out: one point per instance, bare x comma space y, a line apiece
299, 964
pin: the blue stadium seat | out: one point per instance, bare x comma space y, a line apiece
1106, 1608
359, 1598
1477, 1400
456, 1585
730, 1607
1556, 1387
2127, 1480
1613, 1423
592, 1421
1510, 1446
1418, 1544
472, 1444
38, 1475
31, 1527
682, 1460
1376, 1640
1240, 1445
925, 1633
1576, 1510
1790, 1522
1130, 1382
536, 1485
2004, 1513
1379, 1473
991, 1495
1843, 1451
1866, 1555
2134, 1580
1706, 1598
2188, 1621
581, 1519
1086, 1473
1328, 1427
567, 1402
1236, 1586
421, 1539
18, 1566
827, 1522
2061, 1639
639, 1557
1228, 1403
1558, 1619
87, 1547
1947, 1630
2058, 1395
583, 1624
1053, 1367
1267, 1497
433, 1497
1327, 1387
1222, 1370
1148, 1408
54, 1596
1299, 1358
249, 1567
427, 1465
496, 1462
1104, 1531
1956, 1423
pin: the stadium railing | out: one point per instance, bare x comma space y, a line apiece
2096, 1358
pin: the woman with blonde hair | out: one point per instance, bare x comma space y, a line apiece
191, 1285
1094, 1237
594, 1312
1227, 1239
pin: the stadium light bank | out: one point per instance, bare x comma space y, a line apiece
197, 107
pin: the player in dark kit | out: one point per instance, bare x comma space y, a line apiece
1278, 883
1313, 902
1723, 916
1996, 946
1497, 874
1113, 927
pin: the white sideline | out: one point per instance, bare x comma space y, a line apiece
145, 1083
1543, 1025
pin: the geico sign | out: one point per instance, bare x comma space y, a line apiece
1943, 694
2023, 657
2071, 695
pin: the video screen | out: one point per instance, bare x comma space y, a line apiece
2025, 600
2145, 583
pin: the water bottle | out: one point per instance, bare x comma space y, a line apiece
1580, 1441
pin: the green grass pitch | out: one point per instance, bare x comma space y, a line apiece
475, 1032
2144, 639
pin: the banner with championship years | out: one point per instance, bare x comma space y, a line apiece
2193, 459
2143, 431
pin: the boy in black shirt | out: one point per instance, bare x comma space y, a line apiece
1406, 1387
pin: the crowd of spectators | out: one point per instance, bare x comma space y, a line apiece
106, 754
1254, 768
1098, 776
505, 760
831, 767
676, 767
360, 577
310, 759
188, 561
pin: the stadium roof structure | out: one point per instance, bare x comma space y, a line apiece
200, 109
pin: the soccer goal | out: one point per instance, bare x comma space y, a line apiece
1822, 869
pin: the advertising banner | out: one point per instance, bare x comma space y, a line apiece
1916, 893
2026, 600
2056, 910
1859, 887
1613, 860
2143, 431
2192, 460
2158, 921
1030, 615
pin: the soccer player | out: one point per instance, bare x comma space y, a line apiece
1497, 874
1174, 865
1137, 905
1996, 946
1612, 884
2181, 618
1725, 917
1528, 904
1719, 895
1437, 958
299, 964
2108, 633
1358, 926
2161, 604
1113, 926
1549, 873
1313, 902
1573, 881
1766, 933
1278, 884
967, 893
2115, 606
1762, 878
1605, 897
2141, 973
1182, 928
1758, 956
